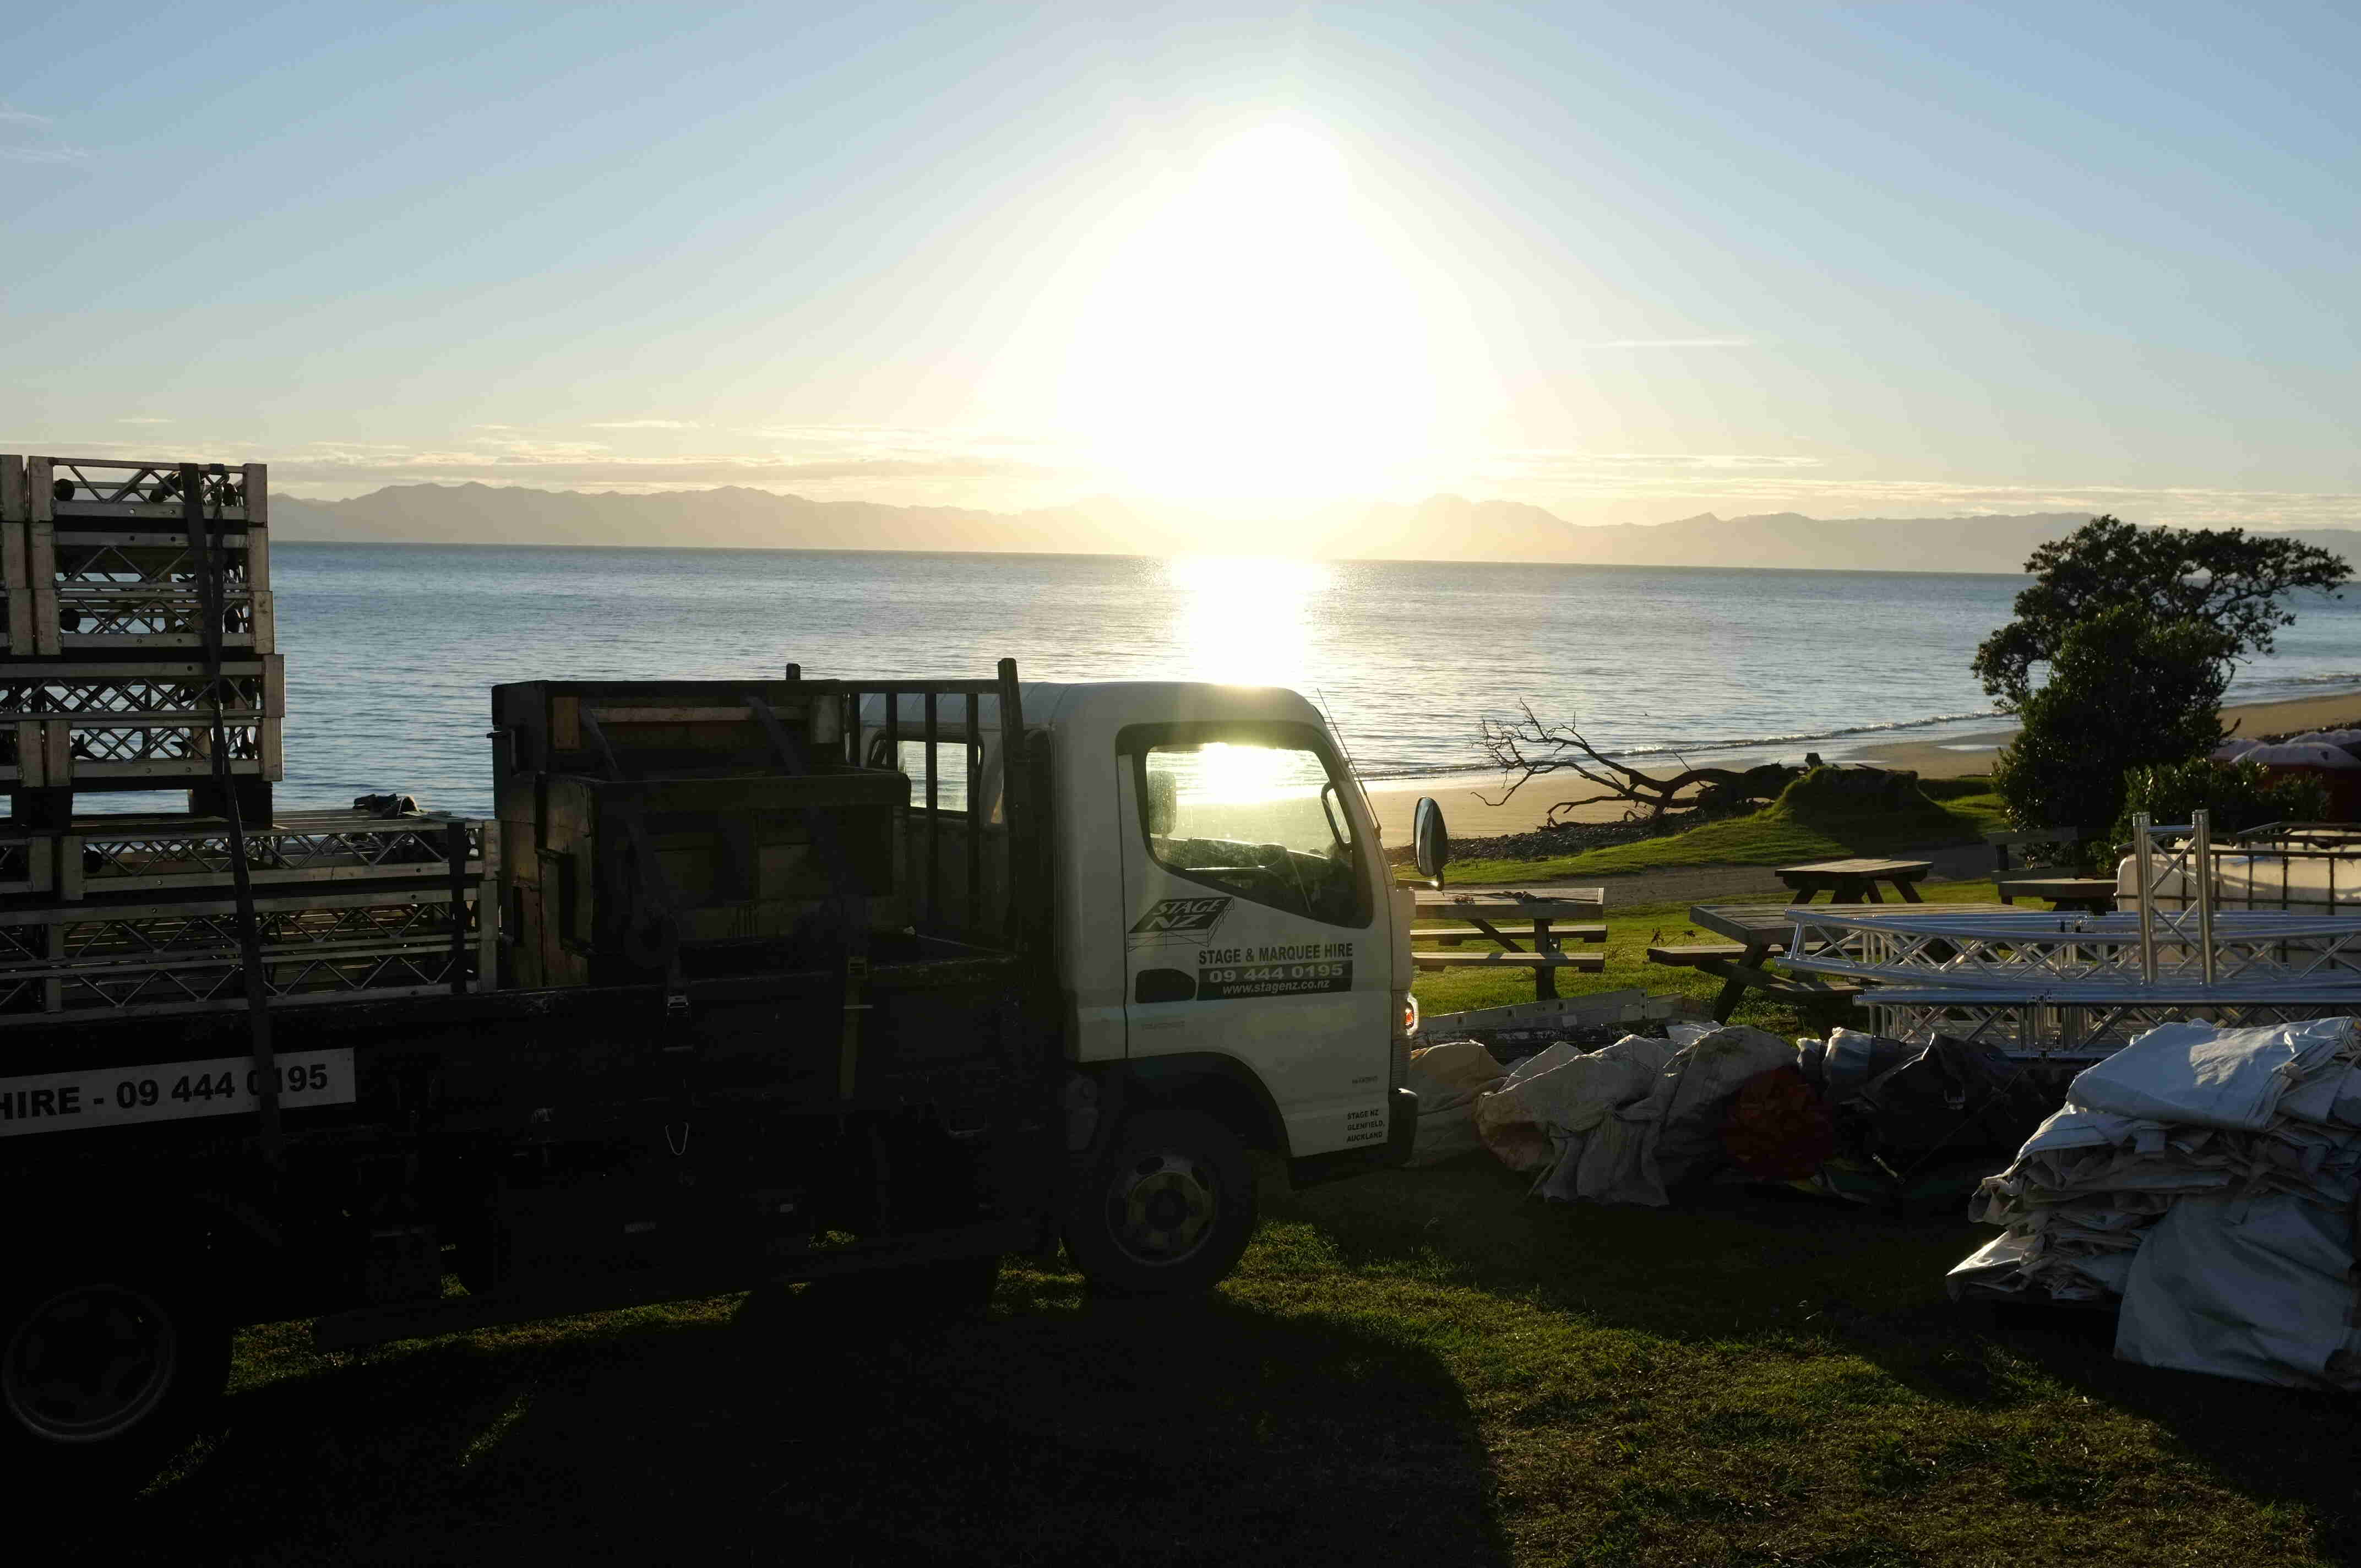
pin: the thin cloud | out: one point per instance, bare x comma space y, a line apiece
1673, 343
641, 424
1727, 492
559, 463
40, 149
143, 421
1542, 463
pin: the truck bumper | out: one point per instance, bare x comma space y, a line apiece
1401, 1132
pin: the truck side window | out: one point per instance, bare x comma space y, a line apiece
1259, 821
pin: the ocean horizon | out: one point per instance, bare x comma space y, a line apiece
391, 649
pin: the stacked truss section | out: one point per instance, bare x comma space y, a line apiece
84, 725
2050, 981
2059, 955
104, 680
138, 654
99, 559
134, 916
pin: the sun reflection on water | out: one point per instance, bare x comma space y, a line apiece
1247, 618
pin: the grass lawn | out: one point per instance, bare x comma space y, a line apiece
1631, 932
1418, 1367
1965, 810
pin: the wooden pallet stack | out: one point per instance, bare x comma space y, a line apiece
112, 679
667, 828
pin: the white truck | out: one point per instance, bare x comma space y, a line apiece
847, 985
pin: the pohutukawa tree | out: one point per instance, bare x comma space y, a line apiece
2225, 579
2141, 629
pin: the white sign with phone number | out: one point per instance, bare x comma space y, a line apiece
170, 1091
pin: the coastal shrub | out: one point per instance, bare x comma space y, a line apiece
2125, 690
2235, 795
2222, 578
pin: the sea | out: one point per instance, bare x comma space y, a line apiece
391, 649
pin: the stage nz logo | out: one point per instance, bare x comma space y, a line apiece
1190, 920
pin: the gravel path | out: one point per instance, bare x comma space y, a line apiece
1696, 884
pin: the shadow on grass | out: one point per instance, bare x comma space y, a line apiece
1073, 1431
1738, 1268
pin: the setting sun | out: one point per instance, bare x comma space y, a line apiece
1251, 336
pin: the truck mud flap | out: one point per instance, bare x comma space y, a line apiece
1401, 1132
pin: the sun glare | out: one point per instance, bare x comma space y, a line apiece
1250, 339
1247, 619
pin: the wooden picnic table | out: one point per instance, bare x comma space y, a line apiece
1753, 934
2096, 895
1854, 881
1485, 909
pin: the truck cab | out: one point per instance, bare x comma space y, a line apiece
1231, 958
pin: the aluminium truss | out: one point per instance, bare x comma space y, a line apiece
96, 558
100, 858
2049, 980
148, 752
146, 725
76, 488
183, 955
2084, 1027
2054, 955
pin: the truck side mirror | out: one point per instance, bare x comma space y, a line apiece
1430, 840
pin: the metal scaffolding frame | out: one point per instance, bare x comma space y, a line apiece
2046, 980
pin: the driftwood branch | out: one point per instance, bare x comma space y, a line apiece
1527, 748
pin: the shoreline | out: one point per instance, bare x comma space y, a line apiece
1970, 754
1469, 816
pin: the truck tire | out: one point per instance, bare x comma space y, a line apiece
107, 1371
1168, 1211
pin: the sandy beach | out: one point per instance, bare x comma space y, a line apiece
1467, 798
1973, 753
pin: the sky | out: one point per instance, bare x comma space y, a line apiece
1627, 262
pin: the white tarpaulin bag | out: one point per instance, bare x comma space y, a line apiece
1447, 1078
2196, 1074
2253, 1288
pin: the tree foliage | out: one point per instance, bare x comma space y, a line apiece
2225, 579
2234, 795
2125, 690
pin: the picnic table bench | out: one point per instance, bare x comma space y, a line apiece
1854, 881
1539, 914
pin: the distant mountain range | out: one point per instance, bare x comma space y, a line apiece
1440, 528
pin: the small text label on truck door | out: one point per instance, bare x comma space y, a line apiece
168, 1091
1190, 920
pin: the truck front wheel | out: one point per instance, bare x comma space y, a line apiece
104, 1374
1169, 1211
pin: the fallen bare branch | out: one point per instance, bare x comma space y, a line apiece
1528, 748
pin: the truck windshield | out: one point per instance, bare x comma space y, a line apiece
1257, 820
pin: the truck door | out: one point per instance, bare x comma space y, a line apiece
1251, 898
